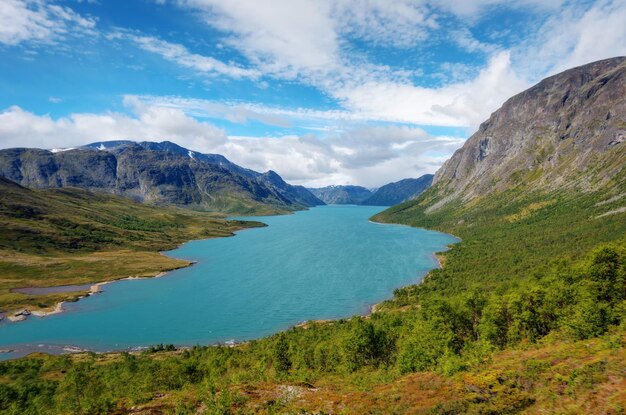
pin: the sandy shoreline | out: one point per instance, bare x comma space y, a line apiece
16, 316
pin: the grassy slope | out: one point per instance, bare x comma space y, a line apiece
70, 236
511, 236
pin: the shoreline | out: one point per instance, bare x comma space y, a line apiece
96, 288
16, 316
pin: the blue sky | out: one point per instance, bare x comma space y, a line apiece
322, 91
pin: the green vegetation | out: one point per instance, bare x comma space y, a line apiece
71, 236
526, 315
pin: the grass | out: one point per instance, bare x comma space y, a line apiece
71, 236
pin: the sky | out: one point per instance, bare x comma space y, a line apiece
324, 92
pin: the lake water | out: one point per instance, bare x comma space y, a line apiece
325, 263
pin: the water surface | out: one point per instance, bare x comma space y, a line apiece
325, 263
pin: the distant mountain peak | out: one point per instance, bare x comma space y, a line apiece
400, 191
339, 194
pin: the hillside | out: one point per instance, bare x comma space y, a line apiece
341, 195
564, 198
565, 132
157, 173
400, 191
71, 236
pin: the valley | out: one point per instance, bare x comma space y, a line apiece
324, 270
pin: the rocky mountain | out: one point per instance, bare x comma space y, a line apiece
158, 173
342, 195
298, 194
568, 131
398, 192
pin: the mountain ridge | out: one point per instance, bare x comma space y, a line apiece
401, 191
158, 173
341, 194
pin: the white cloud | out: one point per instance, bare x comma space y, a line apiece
368, 156
475, 9
279, 36
464, 104
243, 112
178, 54
464, 38
399, 23
20, 128
308, 41
575, 36
39, 21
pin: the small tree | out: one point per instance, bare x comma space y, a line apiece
366, 345
282, 361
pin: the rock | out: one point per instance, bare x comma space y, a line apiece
559, 127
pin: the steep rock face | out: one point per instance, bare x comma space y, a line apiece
342, 195
41, 168
299, 194
550, 135
159, 173
398, 192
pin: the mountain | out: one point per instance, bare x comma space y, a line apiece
158, 173
387, 195
542, 178
299, 194
538, 198
565, 132
398, 192
342, 195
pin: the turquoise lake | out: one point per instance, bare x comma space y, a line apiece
325, 263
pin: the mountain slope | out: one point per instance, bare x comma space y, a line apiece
562, 191
563, 132
299, 194
341, 195
158, 173
400, 191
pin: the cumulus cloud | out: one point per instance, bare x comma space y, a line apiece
399, 23
20, 128
576, 36
370, 155
39, 21
462, 103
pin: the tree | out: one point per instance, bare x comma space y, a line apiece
608, 272
282, 361
366, 345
